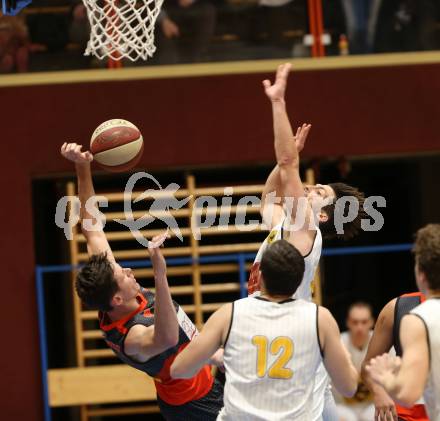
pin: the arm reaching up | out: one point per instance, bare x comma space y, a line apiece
287, 148
143, 342
96, 240
272, 199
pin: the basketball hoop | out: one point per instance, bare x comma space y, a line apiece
122, 28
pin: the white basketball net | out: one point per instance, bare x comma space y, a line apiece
122, 28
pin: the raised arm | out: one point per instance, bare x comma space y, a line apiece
405, 379
380, 343
337, 361
96, 240
287, 147
143, 342
198, 353
272, 199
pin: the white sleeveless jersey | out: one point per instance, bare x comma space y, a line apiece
271, 356
322, 381
429, 312
311, 262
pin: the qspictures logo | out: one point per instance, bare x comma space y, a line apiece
206, 208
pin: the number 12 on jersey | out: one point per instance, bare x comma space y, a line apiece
278, 369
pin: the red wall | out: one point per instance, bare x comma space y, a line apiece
187, 121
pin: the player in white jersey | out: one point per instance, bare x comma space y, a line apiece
273, 345
300, 213
293, 211
417, 373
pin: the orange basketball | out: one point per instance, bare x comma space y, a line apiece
117, 145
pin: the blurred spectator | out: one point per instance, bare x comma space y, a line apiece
49, 29
184, 30
360, 324
272, 18
14, 44
361, 19
407, 25
79, 30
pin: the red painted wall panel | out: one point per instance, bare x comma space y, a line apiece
188, 121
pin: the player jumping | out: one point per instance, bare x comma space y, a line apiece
300, 214
143, 329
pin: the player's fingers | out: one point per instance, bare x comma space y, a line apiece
286, 70
63, 147
394, 414
71, 147
158, 240
390, 416
266, 83
279, 70
88, 156
377, 415
307, 128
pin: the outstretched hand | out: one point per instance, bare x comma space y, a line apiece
301, 135
276, 91
72, 152
385, 408
157, 259
383, 368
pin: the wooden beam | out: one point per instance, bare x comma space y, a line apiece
98, 385
219, 68
131, 410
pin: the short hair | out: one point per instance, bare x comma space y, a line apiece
96, 284
361, 304
282, 267
352, 228
427, 252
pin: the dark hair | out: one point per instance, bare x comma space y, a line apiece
427, 252
352, 228
282, 267
95, 283
361, 304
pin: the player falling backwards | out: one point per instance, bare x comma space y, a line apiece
145, 330
302, 216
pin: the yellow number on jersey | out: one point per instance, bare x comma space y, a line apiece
278, 369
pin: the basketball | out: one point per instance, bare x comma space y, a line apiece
117, 145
